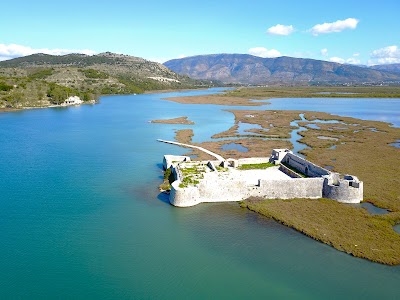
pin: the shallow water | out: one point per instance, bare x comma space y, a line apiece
81, 216
397, 144
244, 127
373, 210
234, 146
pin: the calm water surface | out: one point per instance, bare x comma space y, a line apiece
81, 216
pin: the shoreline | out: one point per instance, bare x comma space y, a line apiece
91, 102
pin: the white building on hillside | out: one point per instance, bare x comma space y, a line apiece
73, 100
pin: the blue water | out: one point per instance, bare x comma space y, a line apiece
396, 144
81, 216
244, 127
234, 146
372, 209
376, 109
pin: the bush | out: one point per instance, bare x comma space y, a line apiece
5, 87
92, 73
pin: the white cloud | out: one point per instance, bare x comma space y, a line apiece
162, 60
324, 52
356, 54
264, 52
351, 60
12, 51
337, 60
280, 29
386, 55
337, 26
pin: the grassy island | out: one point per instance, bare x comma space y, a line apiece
349, 145
244, 96
180, 120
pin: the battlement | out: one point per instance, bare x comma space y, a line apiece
283, 175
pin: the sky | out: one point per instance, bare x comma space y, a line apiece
351, 31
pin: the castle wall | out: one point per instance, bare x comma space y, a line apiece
220, 187
212, 190
304, 166
345, 191
290, 188
188, 196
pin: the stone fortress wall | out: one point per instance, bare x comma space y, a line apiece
280, 182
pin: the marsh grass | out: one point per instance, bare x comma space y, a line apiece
342, 226
362, 149
317, 92
179, 120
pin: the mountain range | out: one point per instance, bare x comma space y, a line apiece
248, 69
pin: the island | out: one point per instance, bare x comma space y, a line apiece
366, 149
283, 175
179, 120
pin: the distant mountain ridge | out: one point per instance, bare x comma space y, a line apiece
248, 69
387, 67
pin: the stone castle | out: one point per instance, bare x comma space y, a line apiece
283, 175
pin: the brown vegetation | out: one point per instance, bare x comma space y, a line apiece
215, 99
180, 120
243, 96
317, 92
346, 228
355, 147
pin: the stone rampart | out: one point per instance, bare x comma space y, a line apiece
306, 167
168, 160
252, 160
236, 185
210, 189
289, 172
346, 191
290, 188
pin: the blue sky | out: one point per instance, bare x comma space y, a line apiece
359, 32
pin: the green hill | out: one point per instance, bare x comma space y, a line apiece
41, 80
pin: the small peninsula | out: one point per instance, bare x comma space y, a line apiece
179, 120
245, 96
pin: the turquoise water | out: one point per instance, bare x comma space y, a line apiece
81, 217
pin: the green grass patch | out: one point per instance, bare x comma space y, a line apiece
5, 87
41, 74
255, 166
221, 169
94, 74
191, 175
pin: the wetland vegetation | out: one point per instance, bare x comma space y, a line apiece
179, 120
353, 146
244, 96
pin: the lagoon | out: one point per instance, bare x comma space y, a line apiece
81, 216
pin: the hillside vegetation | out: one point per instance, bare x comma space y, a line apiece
41, 80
